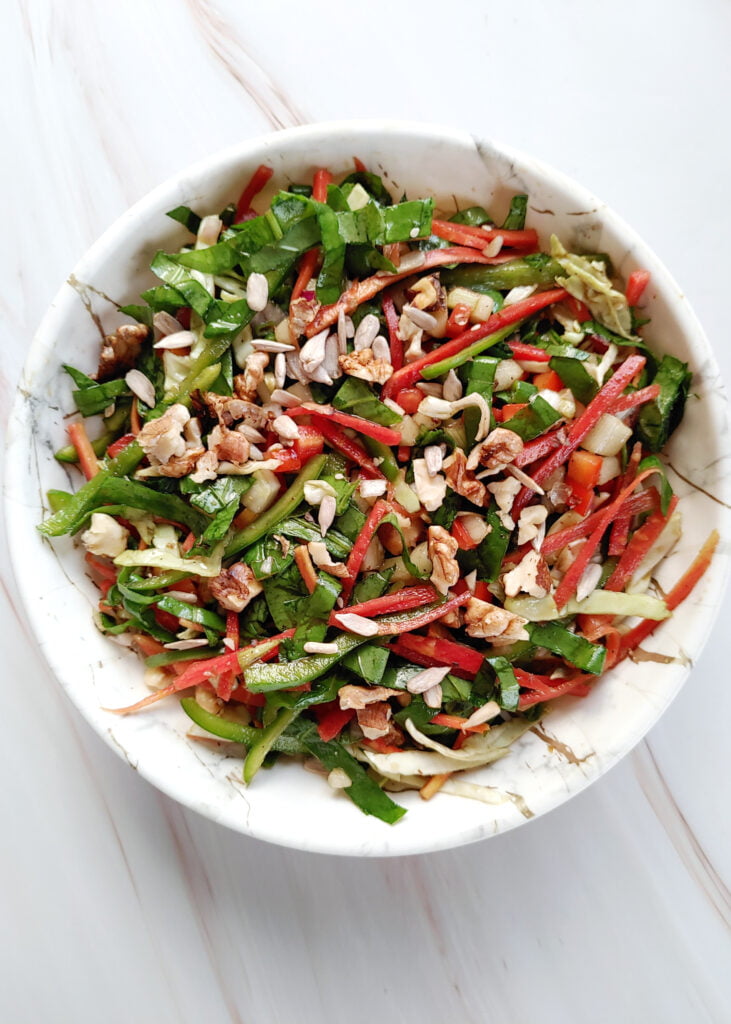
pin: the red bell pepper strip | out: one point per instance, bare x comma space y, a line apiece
288, 458
568, 584
359, 165
625, 402
602, 402
395, 343
459, 320
463, 234
332, 719
530, 353
384, 434
87, 456
310, 442
408, 375
401, 601
548, 381
638, 503
392, 626
232, 628
378, 512
363, 291
431, 652
540, 447
256, 183
109, 572
574, 685
579, 310
409, 399
349, 447
637, 281
119, 445
463, 537
676, 596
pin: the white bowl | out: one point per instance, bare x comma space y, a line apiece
288, 805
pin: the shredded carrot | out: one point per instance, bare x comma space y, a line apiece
87, 456
305, 566
188, 543
432, 787
135, 424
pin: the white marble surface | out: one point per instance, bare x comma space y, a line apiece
120, 906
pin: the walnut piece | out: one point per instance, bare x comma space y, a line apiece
442, 548
235, 587
365, 366
246, 384
181, 465
531, 576
301, 313
120, 350
229, 445
232, 410
359, 697
499, 449
375, 720
461, 480
504, 492
162, 439
487, 621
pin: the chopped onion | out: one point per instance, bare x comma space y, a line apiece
608, 436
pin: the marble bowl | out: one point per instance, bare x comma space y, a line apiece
578, 741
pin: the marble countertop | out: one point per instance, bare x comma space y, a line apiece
120, 905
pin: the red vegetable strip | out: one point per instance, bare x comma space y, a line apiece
395, 343
625, 402
676, 596
463, 234
637, 281
363, 291
87, 457
391, 628
575, 685
601, 403
119, 445
638, 503
539, 447
620, 527
641, 542
232, 628
355, 559
407, 375
305, 566
308, 262
401, 601
528, 352
349, 447
198, 672
346, 419
457, 722
256, 183
568, 584
332, 719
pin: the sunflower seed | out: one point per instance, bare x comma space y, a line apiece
181, 339
257, 292
141, 386
366, 332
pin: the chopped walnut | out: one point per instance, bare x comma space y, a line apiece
375, 720
504, 492
229, 445
365, 366
429, 295
359, 697
321, 557
161, 439
531, 524
232, 410
181, 465
120, 350
489, 622
206, 468
235, 587
531, 576
461, 480
246, 384
442, 549
301, 313
499, 449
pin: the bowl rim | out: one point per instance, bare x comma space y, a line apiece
251, 149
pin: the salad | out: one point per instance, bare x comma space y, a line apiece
371, 485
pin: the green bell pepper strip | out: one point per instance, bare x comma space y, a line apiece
264, 677
281, 509
574, 649
363, 791
112, 424
236, 732
378, 450
503, 276
265, 741
451, 363
191, 612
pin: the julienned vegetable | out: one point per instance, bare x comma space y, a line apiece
374, 486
